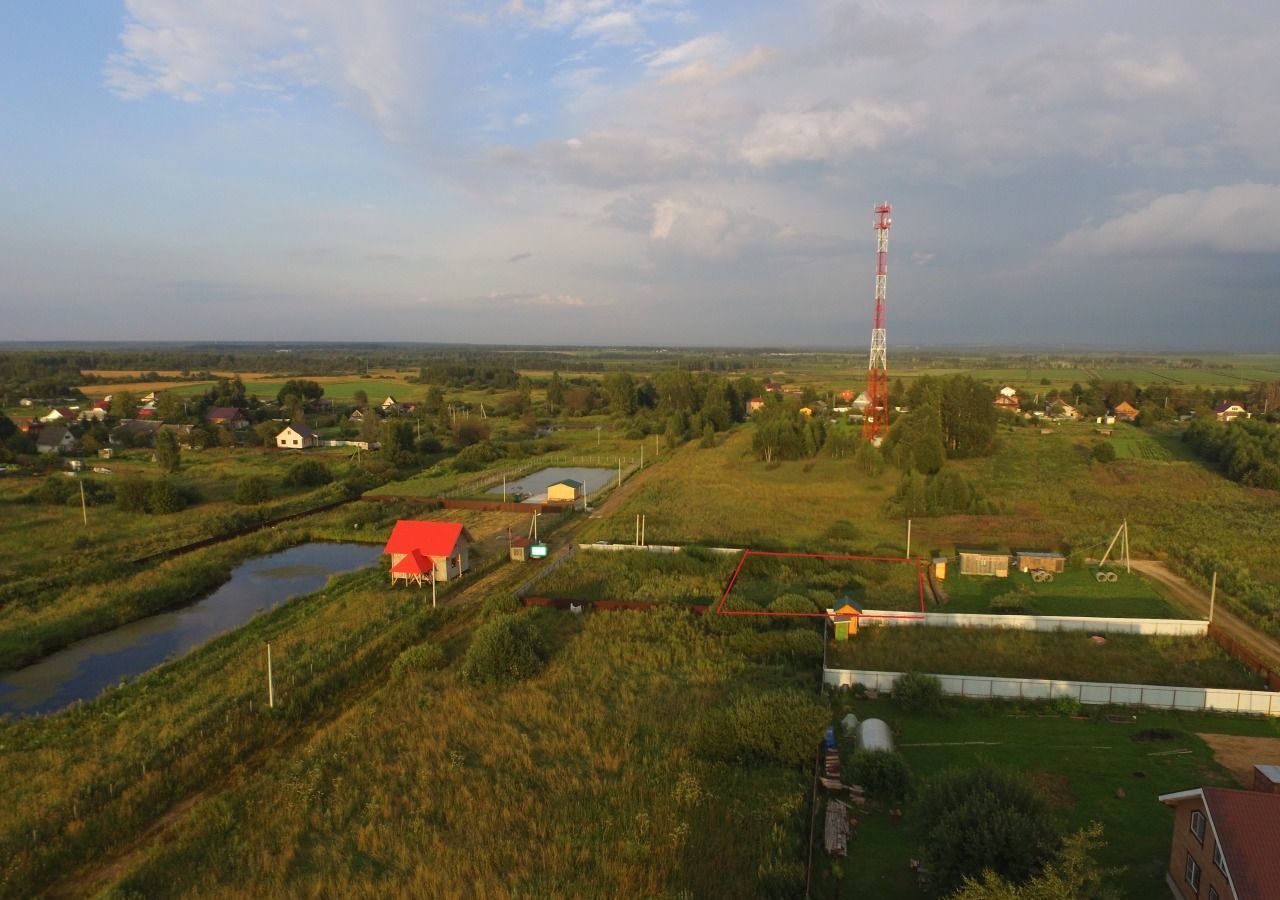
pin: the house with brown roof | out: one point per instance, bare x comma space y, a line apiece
54, 439
226, 416
296, 436
1226, 843
1125, 411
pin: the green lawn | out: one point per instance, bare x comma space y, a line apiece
1087, 769
1068, 655
1075, 592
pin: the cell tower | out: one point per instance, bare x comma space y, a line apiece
875, 424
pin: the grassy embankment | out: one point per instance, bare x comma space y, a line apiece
1069, 655
1090, 769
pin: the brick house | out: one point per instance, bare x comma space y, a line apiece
1226, 843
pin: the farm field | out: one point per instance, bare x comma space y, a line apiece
1062, 655
1088, 769
1075, 592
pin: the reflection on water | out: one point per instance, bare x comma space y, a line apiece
86, 668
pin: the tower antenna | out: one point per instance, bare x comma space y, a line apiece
875, 422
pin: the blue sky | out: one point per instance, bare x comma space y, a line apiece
648, 172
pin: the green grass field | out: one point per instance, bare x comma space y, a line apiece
1088, 770
1075, 592
1066, 655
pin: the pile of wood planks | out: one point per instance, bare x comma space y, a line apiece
836, 834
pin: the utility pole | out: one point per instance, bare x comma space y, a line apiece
619, 471
908, 538
504, 487
433, 584
642, 518
84, 509
637, 540
1213, 593
642, 454
271, 685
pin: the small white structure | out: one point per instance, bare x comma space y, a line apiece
873, 734
849, 723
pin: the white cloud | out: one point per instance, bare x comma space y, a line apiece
190, 49
616, 27
827, 135
1236, 218
689, 227
615, 160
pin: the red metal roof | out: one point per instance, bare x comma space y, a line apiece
434, 539
1248, 828
414, 563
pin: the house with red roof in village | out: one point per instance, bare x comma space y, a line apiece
227, 416
425, 551
1226, 843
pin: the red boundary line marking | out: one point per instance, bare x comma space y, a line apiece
733, 579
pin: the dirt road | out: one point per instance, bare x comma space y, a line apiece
1195, 600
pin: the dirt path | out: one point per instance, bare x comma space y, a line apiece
1238, 755
1195, 600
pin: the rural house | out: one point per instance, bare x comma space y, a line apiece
446, 544
566, 491
1226, 843
1229, 411
296, 437
984, 562
62, 414
754, 404
54, 439
1009, 402
227, 416
1125, 411
134, 433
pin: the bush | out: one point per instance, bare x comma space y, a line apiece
915, 692
252, 489
776, 726
885, 775
131, 495
308, 473
165, 497
1066, 705
983, 820
503, 604
1009, 602
419, 658
1104, 453
504, 649
792, 603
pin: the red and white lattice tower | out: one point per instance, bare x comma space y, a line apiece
875, 425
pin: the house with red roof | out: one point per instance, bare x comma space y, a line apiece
1229, 411
1226, 843
1126, 411
228, 416
434, 550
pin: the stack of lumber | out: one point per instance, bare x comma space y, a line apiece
836, 834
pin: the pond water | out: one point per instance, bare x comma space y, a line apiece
533, 488
85, 669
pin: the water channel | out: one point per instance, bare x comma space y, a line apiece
85, 669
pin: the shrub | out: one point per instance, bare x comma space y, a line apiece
885, 775
503, 604
419, 658
252, 489
983, 820
163, 496
308, 473
776, 726
504, 649
793, 603
131, 495
1104, 453
1066, 705
1009, 601
915, 692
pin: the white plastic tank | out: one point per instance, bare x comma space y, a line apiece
873, 734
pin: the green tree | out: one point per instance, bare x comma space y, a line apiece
123, 404
168, 453
620, 389
308, 473
1073, 874
360, 398
504, 649
555, 391
252, 489
163, 497
983, 819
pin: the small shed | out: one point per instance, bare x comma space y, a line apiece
567, 490
844, 619
849, 723
1266, 778
940, 568
520, 548
1044, 560
873, 734
984, 562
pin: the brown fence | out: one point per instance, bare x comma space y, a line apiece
1246, 656
564, 603
485, 505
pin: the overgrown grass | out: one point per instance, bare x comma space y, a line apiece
641, 576
1068, 655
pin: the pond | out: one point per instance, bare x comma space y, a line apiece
85, 669
533, 488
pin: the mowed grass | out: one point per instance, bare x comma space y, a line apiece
581, 782
1074, 592
1087, 770
1063, 655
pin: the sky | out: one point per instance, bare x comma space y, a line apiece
652, 172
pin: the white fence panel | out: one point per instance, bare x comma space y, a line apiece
1094, 693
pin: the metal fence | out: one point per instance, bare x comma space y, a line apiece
1097, 693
